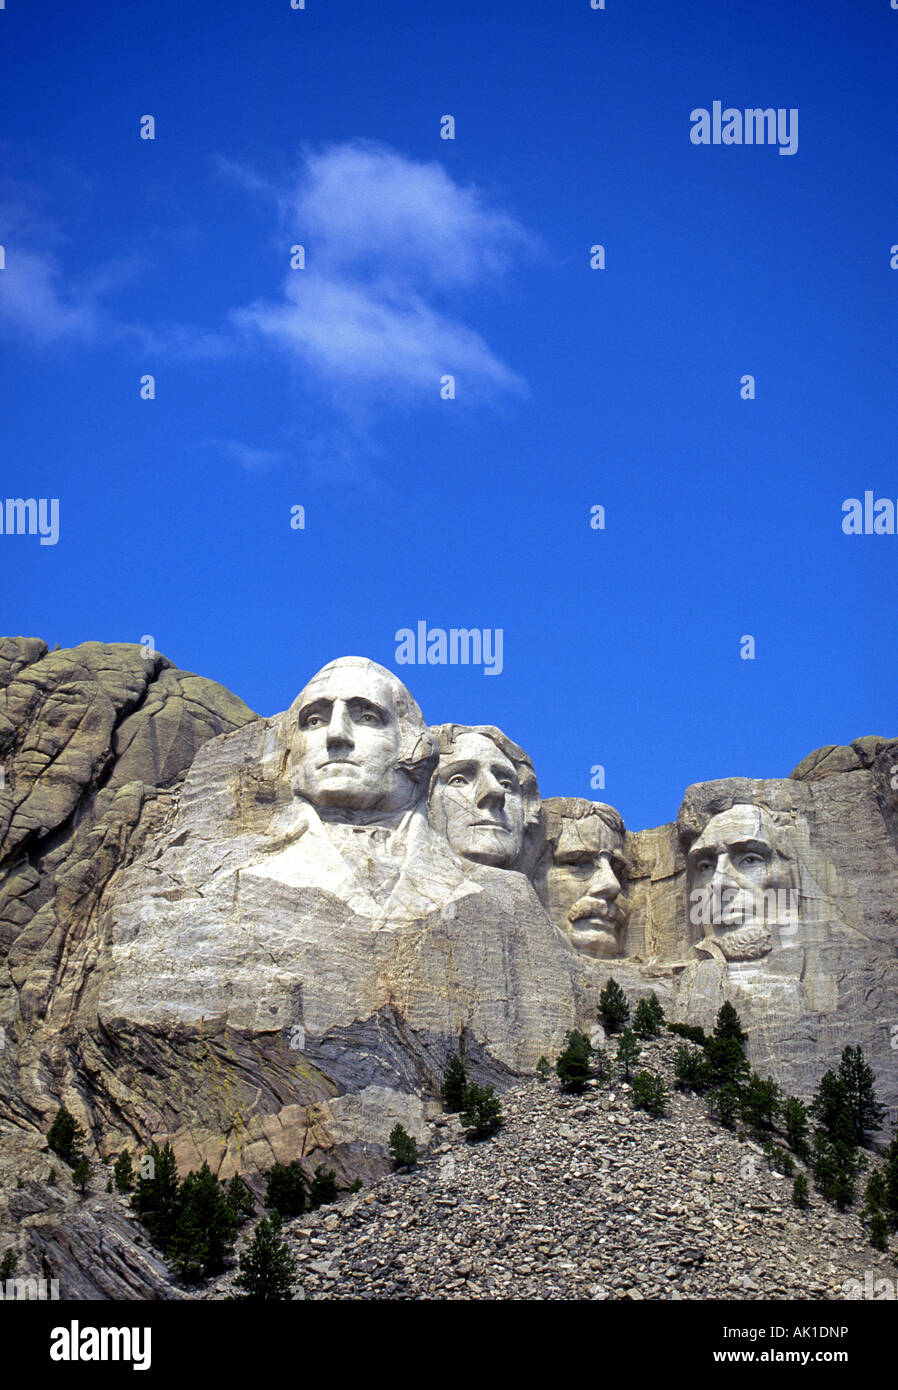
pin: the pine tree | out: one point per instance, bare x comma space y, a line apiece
830, 1103
724, 1103
206, 1227
761, 1102
123, 1172
66, 1137
324, 1188
649, 1093
155, 1197
727, 1064
858, 1080
543, 1069
878, 1227
689, 1032
835, 1165
481, 1112
403, 1149
657, 1010
728, 1024
455, 1079
52, 1178
240, 1199
267, 1269
795, 1116
800, 1194
285, 1189
613, 1006
628, 1052
8, 1265
646, 1023
690, 1069
81, 1175
573, 1064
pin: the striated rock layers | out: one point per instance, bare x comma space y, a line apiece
263, 938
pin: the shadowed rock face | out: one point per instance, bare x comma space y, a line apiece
262, 939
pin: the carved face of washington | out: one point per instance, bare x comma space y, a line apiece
360, 741
476, 800
740, 879
585, 875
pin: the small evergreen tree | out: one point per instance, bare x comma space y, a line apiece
403, 1149
123, 1172
858, 1081
779, 1160
878, 1228
482, 1111
657, 1010
66, 1137
649, 1093
728, 1024
628, 1052
761, 1102
543, 1069
8, 1263
830, 1103
835, 1165
267, 1269
155, 1198
324, 1188
690, 1069
795, 1117
724, 1103
727, 1065
81, 1175
240, 1199
285, 1189
613, 1006
109, 1187
455, 1079
52, 1178
573, 1064
800, 1194
690, 1033
646, 1023
206, 1227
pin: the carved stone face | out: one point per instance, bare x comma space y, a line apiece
738, 882
348, 740
477, 803
585, 878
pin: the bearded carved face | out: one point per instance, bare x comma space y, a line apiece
739, 882
476, 801
585, 876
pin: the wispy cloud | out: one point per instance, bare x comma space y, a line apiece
394, 250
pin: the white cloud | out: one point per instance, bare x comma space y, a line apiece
393, 250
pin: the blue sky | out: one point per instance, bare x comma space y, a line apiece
575, 387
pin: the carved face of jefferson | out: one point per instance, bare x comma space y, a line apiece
740, 881
477, 802
357, 732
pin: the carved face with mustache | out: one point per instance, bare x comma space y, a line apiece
586, 876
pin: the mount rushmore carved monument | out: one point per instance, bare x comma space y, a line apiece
262, 939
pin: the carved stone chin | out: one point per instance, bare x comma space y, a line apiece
746, 943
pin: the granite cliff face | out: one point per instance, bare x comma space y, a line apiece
262, 939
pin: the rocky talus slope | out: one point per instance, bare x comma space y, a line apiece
583, 1197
